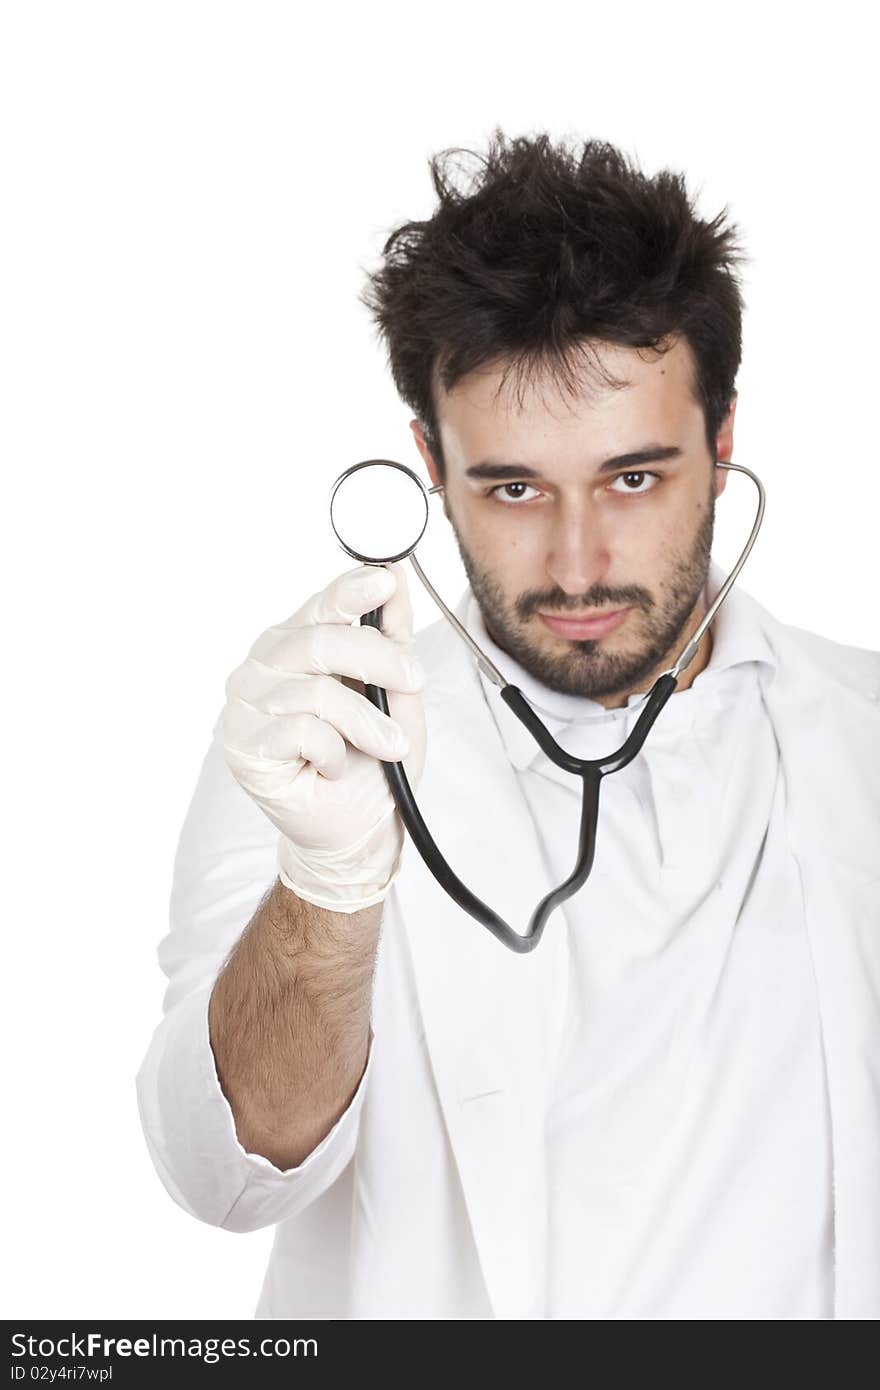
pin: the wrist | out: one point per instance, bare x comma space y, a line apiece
345, 880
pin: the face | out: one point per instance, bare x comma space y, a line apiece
585, 522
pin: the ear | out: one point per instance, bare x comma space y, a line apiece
724, 446
419, 437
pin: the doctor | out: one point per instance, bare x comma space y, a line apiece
669, 1109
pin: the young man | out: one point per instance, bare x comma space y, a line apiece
667, 1109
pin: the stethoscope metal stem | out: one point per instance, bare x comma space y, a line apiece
692, 647
489, 669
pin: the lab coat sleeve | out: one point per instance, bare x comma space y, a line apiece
225, 864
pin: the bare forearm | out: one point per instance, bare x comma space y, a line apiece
289, 1022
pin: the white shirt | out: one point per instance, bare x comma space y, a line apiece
687, 1130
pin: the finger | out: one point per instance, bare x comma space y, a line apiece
397, 614
352, 715
360, 653
349, 596
295, 739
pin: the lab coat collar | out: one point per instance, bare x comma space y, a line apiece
493, 1019
737, 638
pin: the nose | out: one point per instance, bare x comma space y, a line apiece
577, 553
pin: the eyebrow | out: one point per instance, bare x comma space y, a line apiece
496, 470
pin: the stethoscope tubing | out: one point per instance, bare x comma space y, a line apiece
591, 771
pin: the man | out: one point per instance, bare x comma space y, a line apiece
667, 1109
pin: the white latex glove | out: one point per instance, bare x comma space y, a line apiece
307, 747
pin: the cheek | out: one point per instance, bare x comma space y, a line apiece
673, 543
509, 554
515, 554
662, 528
489, 535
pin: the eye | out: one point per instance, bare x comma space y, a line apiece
512, 492
635, 482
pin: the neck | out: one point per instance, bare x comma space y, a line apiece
699, 663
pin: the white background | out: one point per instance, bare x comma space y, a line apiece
191, 192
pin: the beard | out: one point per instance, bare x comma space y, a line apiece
584, 668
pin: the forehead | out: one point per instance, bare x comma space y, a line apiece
607, 396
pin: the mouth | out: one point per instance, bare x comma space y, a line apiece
585, 628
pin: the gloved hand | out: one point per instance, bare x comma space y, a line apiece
306, 746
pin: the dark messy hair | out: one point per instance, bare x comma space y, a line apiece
547, 249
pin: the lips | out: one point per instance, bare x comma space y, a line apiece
584, 629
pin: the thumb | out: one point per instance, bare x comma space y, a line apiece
397, 615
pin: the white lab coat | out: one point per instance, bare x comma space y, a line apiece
433, 1204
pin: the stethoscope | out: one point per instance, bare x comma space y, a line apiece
390, 496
